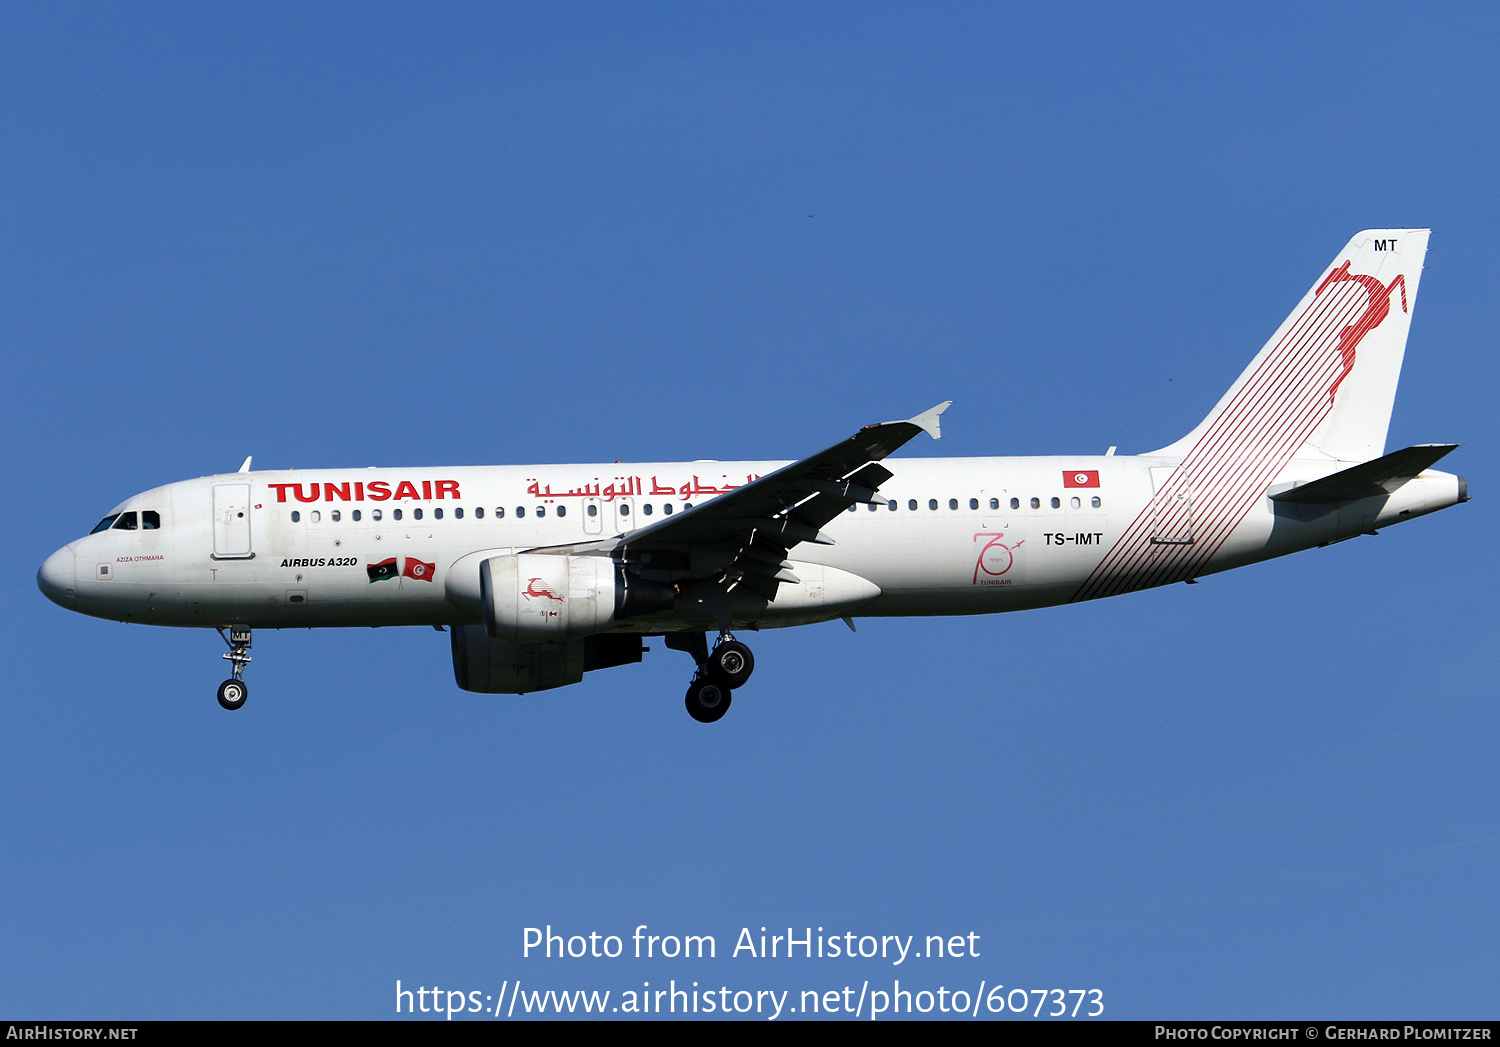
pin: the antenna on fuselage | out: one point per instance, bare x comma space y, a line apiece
245, 465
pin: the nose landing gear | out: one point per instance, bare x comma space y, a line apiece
720, 671
233, 692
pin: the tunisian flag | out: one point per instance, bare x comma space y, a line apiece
415, 568
1081, 478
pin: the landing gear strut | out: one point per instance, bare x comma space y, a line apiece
720, 671
233, 692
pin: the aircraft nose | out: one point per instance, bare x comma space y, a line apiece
56, 577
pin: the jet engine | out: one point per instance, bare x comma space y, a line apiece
541, 597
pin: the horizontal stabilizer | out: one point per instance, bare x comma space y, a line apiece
1369, 479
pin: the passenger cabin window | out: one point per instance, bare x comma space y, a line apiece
995, 503
1094, 501
499, 512
315, 516
953, 503
974, 503
355, 516
520, 512
646, 509
1015, 503
335, 516
911, 505
416, 514
624, 509
593, 510
395, 514
376, 514
126, 522
1057, 503
437, 514
667, 509
893, 505
541, 510
562, 510
105, 524
932, 503
296, 516
1074, 503
1036, 503
150, 520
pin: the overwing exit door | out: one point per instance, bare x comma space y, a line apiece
624, 514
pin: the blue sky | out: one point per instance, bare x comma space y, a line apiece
363, 234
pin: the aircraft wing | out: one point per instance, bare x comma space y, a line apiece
743, 536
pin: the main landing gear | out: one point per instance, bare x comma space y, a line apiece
707, 699
720, 671
233, 692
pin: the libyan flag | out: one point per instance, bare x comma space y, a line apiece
379, 572
415, 568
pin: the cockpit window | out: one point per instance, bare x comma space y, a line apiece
150, 520
126, 522
105, 524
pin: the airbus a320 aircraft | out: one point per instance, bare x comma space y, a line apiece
544, 573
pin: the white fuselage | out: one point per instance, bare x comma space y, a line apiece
959, 536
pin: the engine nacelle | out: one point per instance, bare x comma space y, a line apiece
544, 597
502, 667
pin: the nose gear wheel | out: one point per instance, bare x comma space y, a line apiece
232, 694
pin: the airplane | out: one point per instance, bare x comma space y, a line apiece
544, 573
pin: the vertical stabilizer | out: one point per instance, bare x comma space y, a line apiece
1324, 384
1321, 388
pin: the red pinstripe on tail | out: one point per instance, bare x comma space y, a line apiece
1288, 403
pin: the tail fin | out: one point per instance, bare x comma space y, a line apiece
1324, 384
